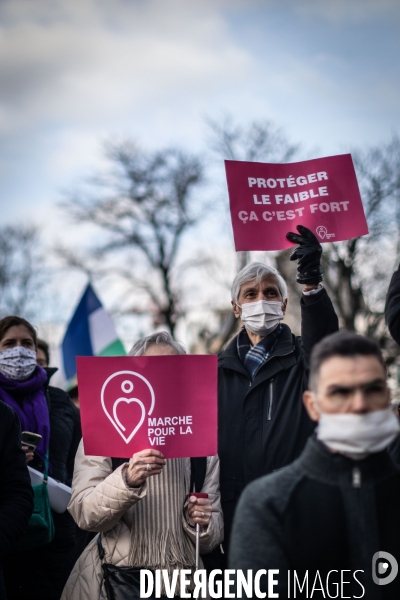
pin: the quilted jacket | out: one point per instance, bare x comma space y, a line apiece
102, 502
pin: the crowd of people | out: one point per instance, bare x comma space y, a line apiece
306, 481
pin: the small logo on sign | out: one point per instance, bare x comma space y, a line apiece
126, 381
384, 568
323, 233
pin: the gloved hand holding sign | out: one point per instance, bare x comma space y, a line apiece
308, 253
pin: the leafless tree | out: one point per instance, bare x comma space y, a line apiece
143, 206
357, 272
256, 141
21, 270
259, 141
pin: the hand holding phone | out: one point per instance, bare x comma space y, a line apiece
30, 440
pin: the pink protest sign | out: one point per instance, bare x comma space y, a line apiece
131, 403
267, 200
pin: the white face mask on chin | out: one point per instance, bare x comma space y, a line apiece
261, 317
357, 436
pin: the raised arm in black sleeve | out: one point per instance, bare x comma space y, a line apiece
392, 308
16, 495
318, 317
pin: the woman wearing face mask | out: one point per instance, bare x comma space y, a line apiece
24, 386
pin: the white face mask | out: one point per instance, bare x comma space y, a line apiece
356, 435
261, 317
17, 363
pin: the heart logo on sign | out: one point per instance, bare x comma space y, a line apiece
127, 387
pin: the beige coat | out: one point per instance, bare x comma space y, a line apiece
102, 501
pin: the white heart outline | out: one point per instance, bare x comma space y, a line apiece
153, 400
118, 422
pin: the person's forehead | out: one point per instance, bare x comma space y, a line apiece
18, 331
352, 370
159, 350
268, 280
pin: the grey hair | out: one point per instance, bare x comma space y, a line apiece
257, 271
163, 338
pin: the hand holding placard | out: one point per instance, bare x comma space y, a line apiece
308, 253
142, 465
136, 404
199, 508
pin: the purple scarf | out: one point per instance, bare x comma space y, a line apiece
28, 400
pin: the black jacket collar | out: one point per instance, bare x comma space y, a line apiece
334, 468
229, 358
50, 372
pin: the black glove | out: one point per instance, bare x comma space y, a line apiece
308, 253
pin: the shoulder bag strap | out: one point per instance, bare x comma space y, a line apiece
198, 468
100, 547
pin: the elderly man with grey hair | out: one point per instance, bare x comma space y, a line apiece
263, 372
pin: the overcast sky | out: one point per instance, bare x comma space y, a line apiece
73, 73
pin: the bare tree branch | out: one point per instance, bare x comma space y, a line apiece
21, 269
143, 203
258, 141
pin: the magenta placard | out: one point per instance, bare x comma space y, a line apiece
131, 403
267, 200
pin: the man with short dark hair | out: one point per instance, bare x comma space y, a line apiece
262, 374
42, 354
325, 517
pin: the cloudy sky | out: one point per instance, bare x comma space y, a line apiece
73, 73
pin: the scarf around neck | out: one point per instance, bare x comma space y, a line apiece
158, 540
28, 400
254, 357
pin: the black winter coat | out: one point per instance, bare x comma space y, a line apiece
65, 432
392, 317
16, 495
47, 569
392, 308
323, 513
263, 425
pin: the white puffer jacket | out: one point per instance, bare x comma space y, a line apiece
102, 502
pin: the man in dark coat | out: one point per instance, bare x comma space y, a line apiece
16, 495
330, 522
263, 372
392, 308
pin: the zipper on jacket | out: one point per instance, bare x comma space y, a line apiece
271, 399
268, 359
356, 477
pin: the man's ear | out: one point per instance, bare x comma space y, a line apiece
284, 306
309, 402
236, 309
